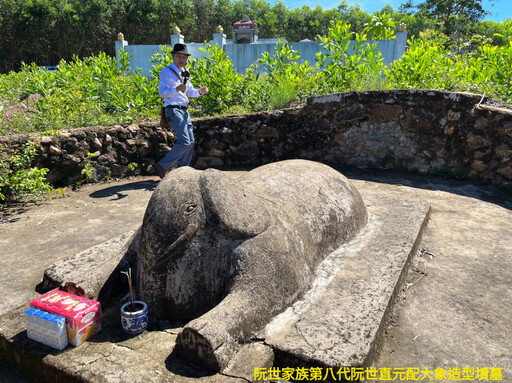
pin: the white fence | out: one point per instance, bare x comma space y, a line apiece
243, 55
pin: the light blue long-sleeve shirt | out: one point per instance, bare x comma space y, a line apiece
167, 87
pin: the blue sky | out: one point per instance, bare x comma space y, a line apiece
501, 10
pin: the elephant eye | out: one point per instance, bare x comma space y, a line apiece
190, 208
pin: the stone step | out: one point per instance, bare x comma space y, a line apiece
110, 356
96, 271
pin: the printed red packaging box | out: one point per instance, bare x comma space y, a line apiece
83, 316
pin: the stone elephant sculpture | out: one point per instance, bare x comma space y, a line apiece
228, 253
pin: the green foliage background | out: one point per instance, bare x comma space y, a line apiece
97, 91
48, 31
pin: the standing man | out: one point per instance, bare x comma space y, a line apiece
174, 88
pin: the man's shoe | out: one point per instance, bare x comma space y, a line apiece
159, 170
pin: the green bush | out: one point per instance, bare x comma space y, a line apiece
286, 80
92, 91
21, 181
423, 66
456, 172
216, 72
347, 61
432, 64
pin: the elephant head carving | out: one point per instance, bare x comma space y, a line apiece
188, 233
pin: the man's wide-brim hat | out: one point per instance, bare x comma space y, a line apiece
180, 48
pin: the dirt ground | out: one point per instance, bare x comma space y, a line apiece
454, 312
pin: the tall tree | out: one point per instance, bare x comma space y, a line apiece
353, 15
473, 10
205, 24
455, 15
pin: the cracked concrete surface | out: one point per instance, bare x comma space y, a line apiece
453, 311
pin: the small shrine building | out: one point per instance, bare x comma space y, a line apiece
245, 31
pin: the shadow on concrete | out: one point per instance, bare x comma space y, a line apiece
11, 213
167, 325
117, 191
40, 288
183, 368
39, 350
9, 374
111, 333
472, 189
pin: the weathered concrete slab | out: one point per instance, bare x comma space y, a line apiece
90, 269
341, 319
249, 357
458, 314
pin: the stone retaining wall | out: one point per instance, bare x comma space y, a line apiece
424, 131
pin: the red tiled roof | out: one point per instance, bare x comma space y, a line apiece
244, 21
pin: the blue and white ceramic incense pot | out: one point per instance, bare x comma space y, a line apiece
136, 321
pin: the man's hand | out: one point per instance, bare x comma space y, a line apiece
181, 88
203, 90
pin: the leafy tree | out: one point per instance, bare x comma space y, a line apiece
442, 9
381, 26
205, 24
417, 23
225, 15
454, 14
47, 31
353, 15
490, 29
308, 23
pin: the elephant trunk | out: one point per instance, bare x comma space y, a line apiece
187, 235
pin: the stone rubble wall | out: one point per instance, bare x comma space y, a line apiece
422, 131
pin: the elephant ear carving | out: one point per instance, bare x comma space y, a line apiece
235, 211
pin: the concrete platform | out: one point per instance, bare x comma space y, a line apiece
339, 323
454, 309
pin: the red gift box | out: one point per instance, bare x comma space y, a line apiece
83, 316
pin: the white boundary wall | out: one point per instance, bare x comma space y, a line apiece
243, 55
